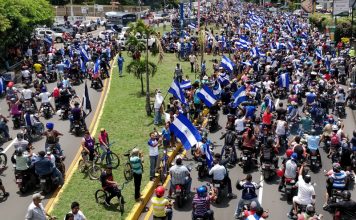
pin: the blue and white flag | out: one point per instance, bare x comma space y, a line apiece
327, 62
83, 67
96, 67
283, 80
290, 45
239, 96
217, 89
259, 38
254, 52
85, 55
183, 129
48, 40
247, 63
227, 64
269, 103
192, 26
224, 79
289, 27
244, 40
185, 84
207, 96
177, 92
2, 86
67, 64
318, 54
248, 26
208, 154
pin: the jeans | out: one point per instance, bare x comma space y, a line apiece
137, 182
113, 191
169, 215
187, 185
120, 69
57, 174
105, 153
241, 204
4, 128
153, 164
158, 117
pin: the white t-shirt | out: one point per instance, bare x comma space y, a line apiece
291, 169
305, 191
267, 84
153, 151
78, 216
44, 96
23, 143
27, 94
218, 171
25, 73
239, 124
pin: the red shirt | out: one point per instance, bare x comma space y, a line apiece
267, 118
103, 137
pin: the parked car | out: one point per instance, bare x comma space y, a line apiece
63, 29
41, 32
88, 26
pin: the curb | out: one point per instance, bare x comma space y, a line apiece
74, 165
147, 192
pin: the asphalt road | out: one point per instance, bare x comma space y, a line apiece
15, 206
269, 196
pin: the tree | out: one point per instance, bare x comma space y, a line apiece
138, 68
134, 46
145, 30
19, 18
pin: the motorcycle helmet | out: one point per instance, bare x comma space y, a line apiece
10, 84
19, 151
294, 156
331, 119
202, 191
335, 128
346, 195
313, 132
43, 89
310, 210
20, 136
159, 191
307, 178
50, 125
289, 153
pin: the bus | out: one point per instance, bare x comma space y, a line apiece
120, 18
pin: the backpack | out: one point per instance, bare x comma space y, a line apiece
335, 139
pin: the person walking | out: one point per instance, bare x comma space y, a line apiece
120, 63
178, 73
136, 164
76, 212
36, 210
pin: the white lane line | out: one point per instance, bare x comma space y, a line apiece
260, 192
10, 145
277, 102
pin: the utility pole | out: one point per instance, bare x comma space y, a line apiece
71, 9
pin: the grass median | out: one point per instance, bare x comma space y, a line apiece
124, 118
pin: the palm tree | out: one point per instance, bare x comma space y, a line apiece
134, 46
145, 30
138, 68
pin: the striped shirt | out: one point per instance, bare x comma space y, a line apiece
201, 205
339, 179
159, 205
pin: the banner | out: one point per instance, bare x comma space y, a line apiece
341, 7
307, 6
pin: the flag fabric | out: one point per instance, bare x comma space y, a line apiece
227, 64
2, 86
82, 65
239, 96
318, 54
208, 154
248, 26
177, 92
269, 103
86, 104
183, 129
247, 63
192, 26
224, 79
327, 62
254, 52
96, 67
290, 45
207, 96
284, 80
48, 40
217, 89
185, 84
85, 55
67, 64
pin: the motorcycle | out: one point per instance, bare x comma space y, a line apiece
51, 76
342, 78
340, 110
47, 184
17, 121
290, 188
46, 111
180, 195
218, 191
27, 81
268, 170
213, 122
64, 114
247, 160
25, 180
78, 127
327, 143
202, 168
95, 84
313, 161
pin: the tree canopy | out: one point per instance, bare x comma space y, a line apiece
19, 18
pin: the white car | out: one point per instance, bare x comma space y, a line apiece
88, 25
318, 7
41, 32
151, 40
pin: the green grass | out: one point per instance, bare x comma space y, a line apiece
124, 118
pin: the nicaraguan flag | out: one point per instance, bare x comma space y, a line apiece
248, 26
269, 103
327, 62
259, 38
290, 45
177, 92
227, 64
217, 89
48, 40
244, 40
67, 64
207, 96
224, 79
254, 52
96, 67
2, 86
284, 80
304, 45
208, 154
289, 27
247, 63
239, 96
183, 129
82, 65
192, 26
318, 54
86, 104
272, 45
85, 55
185, 84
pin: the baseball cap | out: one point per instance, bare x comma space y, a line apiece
37, 196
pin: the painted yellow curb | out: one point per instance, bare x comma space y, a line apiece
148, 191
92, 128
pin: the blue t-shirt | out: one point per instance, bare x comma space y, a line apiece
250, 111
120, 61
313, 142
310, 97
166, 134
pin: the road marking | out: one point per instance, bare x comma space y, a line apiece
10, 145
260, 192
74, 165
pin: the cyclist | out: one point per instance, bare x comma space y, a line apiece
162, 209
88, 144
201, 204
109, 185
104, 144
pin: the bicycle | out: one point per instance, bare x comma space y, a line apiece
101, 195
3, 158
128, 174
89, 167
110, 157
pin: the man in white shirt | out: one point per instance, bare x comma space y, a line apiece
44, 96
78, 214
36, 210
239, 125
219, 174
306, 193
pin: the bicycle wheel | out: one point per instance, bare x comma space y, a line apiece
100, 196
3, 160
121, 205
128, 172
94, 172
98, 149
81, 166
113, 159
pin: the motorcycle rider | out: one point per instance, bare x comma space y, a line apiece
201, 204
219, 174
292, 112
76, 115
281, 128
307, 123
44, 96
291, 169
340, 98
347, 205
44, 166
309, 214
162, 208
11, 93
306, 192
52, 138
4, 128
32, 122
88, 143
268, 153
248, 193
336, 180
27, 95
180, 175
313, 142
230, 138
105, 66
249, 141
